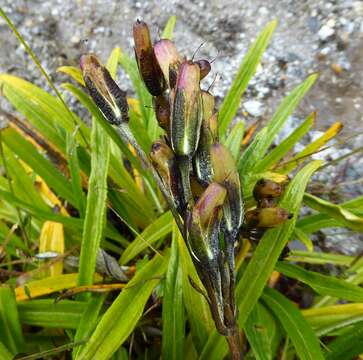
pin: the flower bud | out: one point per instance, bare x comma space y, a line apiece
146, 61
165, 164
187, 111
203, 227
162, 111
266, 188
109, 98
226, 174
169, 60
266, 217
202, 160
205, 68
209, 104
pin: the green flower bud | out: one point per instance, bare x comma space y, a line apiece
266, 217
203, 227
205, 68
187, 111
163, 159
169, 60
202, 160
226, 174
203, 224
162, 111
146, 61
109, 98
266, 188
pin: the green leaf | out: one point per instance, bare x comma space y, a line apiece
299, 331
96, 205
155, 231
270, 246
348, 345
75, 173
234, 139
169, 28
247, 69
319, 258
275, 155
258, 332
5, 354
122, 316
30, 155
11, 335
22, 183
303, 238
88, 321
173, 308
337, 212
47, 313
322, 284
263, 140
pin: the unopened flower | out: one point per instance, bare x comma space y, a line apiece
162, 112
266, 217
208, 137
109, 98
165, 164
204, 66
266, 188
149, 68
225, 173
168, 59
187, 110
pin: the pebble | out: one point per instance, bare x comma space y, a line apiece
325, 32
254, 108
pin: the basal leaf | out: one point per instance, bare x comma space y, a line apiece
299, 331
322, 284
173, 339
94, 221
11, 335
122, 316
247, 69
154, 232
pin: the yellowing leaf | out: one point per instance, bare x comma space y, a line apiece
49, 285
74, 72
52, 239
312, 148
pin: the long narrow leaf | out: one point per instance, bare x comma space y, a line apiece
173, 308
247, 69
10, 330
322, 284
122, 316
301, 334
96, 205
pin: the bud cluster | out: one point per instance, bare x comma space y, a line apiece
266, 215
198, 171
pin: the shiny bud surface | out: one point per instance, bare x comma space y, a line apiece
169, 60
266, 217
187, 111
266, 188
109, 98
147, 63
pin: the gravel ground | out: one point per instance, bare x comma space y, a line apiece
312, 35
